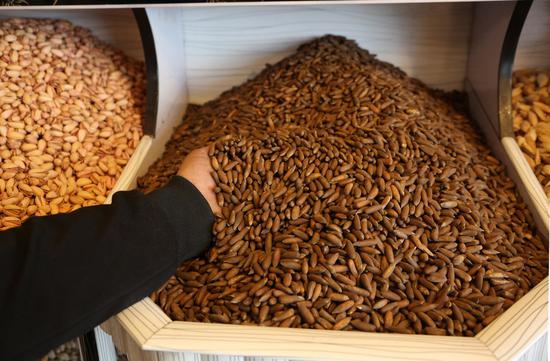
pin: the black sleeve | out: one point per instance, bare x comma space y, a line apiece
62, 275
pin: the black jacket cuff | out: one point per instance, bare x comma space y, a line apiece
189, 214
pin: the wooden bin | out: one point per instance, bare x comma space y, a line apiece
127, 30
533, 53
497, 47
202, 50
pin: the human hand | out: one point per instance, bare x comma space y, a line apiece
196, 169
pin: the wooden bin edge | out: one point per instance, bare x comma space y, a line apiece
540, 205
152, 329
220, 339
129, 173
511, 334
525, 322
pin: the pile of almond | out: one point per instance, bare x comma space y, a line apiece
531, 112
70, 117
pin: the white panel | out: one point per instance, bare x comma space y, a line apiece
529, 186
534, 44
114, 26
537, 352
169, 356
189, 356
226, 45
105, 347
221, 358
169, 46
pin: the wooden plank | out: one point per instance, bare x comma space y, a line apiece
142, 320
313, 344
175, 79
534, 43
127, 179
224, 46
528, 185
520, 326
125, 343
116, 27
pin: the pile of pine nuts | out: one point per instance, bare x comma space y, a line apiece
353, 198
531, 120
70, 117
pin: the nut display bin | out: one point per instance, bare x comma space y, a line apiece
124, 29
533, 52
199, 50
203, 50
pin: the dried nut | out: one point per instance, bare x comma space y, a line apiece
531, 109
52, 111
352, 198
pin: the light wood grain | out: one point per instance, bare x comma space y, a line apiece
536, 196
224, 46
143, 320
125, 343
127, 179
116, 27
534, 43
520, 326
313, 344
204, 52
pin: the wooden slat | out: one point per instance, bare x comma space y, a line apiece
205, 52
528, 182
520, 326
313, 344
125, 343
142, 320
226, 45
127, 179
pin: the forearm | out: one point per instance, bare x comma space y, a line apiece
63, 274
